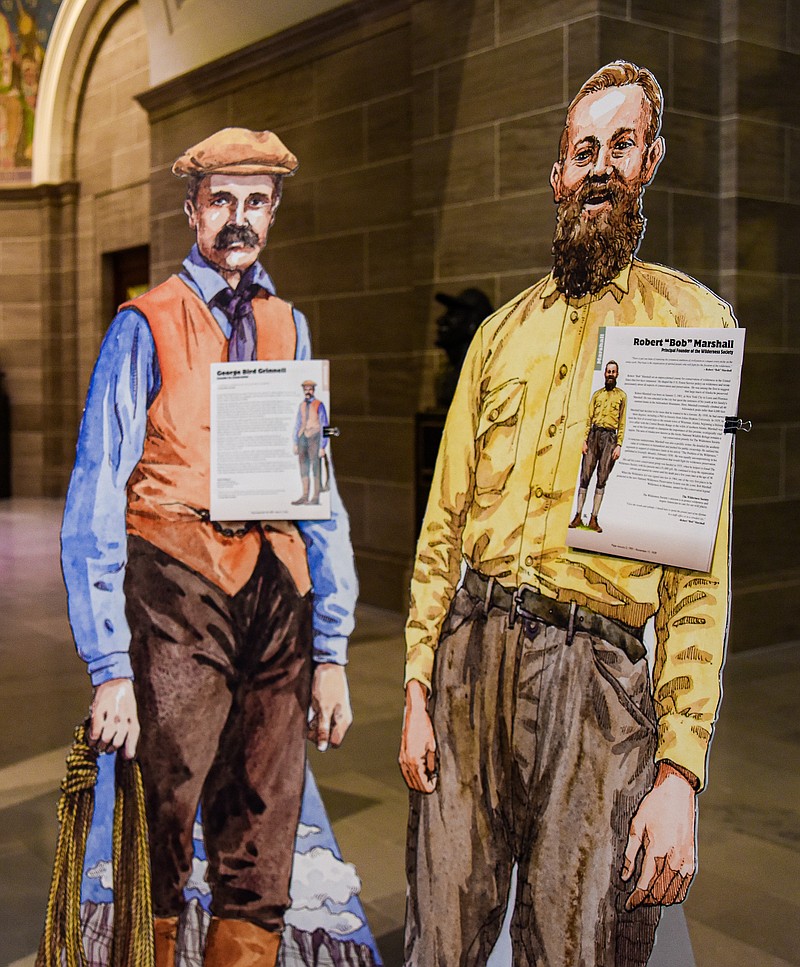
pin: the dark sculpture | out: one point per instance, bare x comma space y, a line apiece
454, 332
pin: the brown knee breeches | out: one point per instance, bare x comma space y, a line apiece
222, 685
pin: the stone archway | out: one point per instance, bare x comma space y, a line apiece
182, 35
76, 32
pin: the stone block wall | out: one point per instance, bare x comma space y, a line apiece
760, 272
426, 131
36, 310
112, 165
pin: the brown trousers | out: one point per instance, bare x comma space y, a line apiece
600, 449
222, 685
545, 750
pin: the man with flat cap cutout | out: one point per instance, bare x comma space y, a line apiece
207, 643
535, 738
310, 443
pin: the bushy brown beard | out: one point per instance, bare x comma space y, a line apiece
589, 252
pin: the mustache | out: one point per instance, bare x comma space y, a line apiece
235, 233
609, 185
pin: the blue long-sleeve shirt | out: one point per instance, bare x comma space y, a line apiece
124, 384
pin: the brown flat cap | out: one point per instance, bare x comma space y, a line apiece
237, 151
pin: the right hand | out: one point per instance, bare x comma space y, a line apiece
418, 744
585, 447
114, 719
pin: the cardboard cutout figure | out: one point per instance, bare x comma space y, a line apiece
536, 740
213, 647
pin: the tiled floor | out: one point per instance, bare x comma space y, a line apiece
743, 910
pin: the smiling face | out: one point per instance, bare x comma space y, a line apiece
598, 183
611, 374
607, 141
231, 215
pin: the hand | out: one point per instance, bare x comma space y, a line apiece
330, 706
321, 453
296, 449
418, 744
114, 719
617, 451
663, 826
585, 447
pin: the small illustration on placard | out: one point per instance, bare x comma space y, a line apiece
310, 445
605, 430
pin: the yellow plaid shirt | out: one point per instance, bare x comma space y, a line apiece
504, 483
607, 409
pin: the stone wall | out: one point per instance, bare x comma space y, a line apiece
426, 130
37, 298
112, 165
760, 273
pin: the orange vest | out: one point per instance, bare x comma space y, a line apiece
309, 419
171, 484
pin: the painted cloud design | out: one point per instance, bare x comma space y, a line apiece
320, 882
104, 872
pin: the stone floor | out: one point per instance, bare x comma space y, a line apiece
744, 908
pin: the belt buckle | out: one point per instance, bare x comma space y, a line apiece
573, 608
516, 607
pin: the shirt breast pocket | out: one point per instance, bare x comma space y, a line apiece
497, 438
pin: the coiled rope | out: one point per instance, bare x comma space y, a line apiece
62, 942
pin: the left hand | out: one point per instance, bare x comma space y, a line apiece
331, 715
663, 827
617, 452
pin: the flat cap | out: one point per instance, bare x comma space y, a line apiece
237, 151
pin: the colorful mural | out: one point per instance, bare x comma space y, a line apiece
24, 31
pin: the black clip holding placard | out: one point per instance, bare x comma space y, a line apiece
331, 431
734, 423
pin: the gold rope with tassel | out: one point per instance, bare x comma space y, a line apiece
132, 943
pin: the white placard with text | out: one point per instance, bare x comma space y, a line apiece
268, 462
663, 497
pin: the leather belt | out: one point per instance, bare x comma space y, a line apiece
526, 603
242, 526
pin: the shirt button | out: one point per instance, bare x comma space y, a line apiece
552, 429
493, 415
562, 372
529, 560
574, 316
539, 492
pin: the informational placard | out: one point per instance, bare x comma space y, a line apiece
269, 451
655, 454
